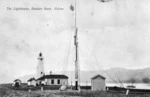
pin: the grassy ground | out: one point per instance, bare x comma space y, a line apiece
7, 90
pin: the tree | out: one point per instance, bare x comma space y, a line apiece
131, 80
146, 80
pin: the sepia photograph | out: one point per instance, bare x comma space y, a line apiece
74, 48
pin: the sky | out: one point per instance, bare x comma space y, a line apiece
111, 34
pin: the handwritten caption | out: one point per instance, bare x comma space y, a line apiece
33, 8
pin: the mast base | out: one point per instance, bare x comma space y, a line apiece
76, 85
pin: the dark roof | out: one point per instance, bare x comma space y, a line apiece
53, 76
98, 76
17, 80
31, 79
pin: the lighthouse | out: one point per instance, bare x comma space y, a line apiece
40, 67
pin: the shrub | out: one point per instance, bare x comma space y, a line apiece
146, 80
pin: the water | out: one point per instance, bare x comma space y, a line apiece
138, 85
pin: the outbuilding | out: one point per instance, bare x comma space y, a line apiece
32, 82
98, 83
17, 82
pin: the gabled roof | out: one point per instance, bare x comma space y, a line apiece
53, 76
17, 80
31, 79
98, 76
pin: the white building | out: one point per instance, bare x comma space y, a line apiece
98, 83
40, 67
53, 79
32, 82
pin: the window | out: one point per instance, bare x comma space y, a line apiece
58, 81
52, 81
41, 72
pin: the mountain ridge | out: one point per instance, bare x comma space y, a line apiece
122, 74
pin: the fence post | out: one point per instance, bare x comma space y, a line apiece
107, 88
127, 92
42, 88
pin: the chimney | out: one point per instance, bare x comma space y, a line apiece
50, 72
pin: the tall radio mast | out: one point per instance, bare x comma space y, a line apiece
76, 47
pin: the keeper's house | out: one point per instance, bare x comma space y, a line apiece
98, 83
52, 79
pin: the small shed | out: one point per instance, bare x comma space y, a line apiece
32, 82
98, 83
17, 82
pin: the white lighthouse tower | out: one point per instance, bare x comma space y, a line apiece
40, 67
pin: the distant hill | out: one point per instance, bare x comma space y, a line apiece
112, 75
